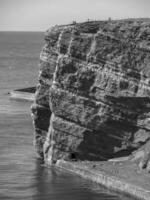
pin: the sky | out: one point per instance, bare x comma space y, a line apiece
39, 15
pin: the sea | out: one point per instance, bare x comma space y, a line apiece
22, 175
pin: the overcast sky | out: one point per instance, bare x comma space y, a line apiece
39, 15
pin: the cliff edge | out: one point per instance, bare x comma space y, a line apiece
92, 100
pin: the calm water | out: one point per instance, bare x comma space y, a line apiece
22, 176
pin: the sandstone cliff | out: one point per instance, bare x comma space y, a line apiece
92, 100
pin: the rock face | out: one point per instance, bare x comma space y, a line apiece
92, 101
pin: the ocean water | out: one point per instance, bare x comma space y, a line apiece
22, 175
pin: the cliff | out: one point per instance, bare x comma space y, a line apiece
92, 100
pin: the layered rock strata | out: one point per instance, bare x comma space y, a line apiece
92, 100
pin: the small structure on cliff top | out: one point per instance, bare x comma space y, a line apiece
93, 96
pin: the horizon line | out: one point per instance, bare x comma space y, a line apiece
89, 20
20, 31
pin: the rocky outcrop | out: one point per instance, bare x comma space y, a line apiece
92, 100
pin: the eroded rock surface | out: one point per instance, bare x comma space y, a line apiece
92, 101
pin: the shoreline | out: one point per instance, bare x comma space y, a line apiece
121, 177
